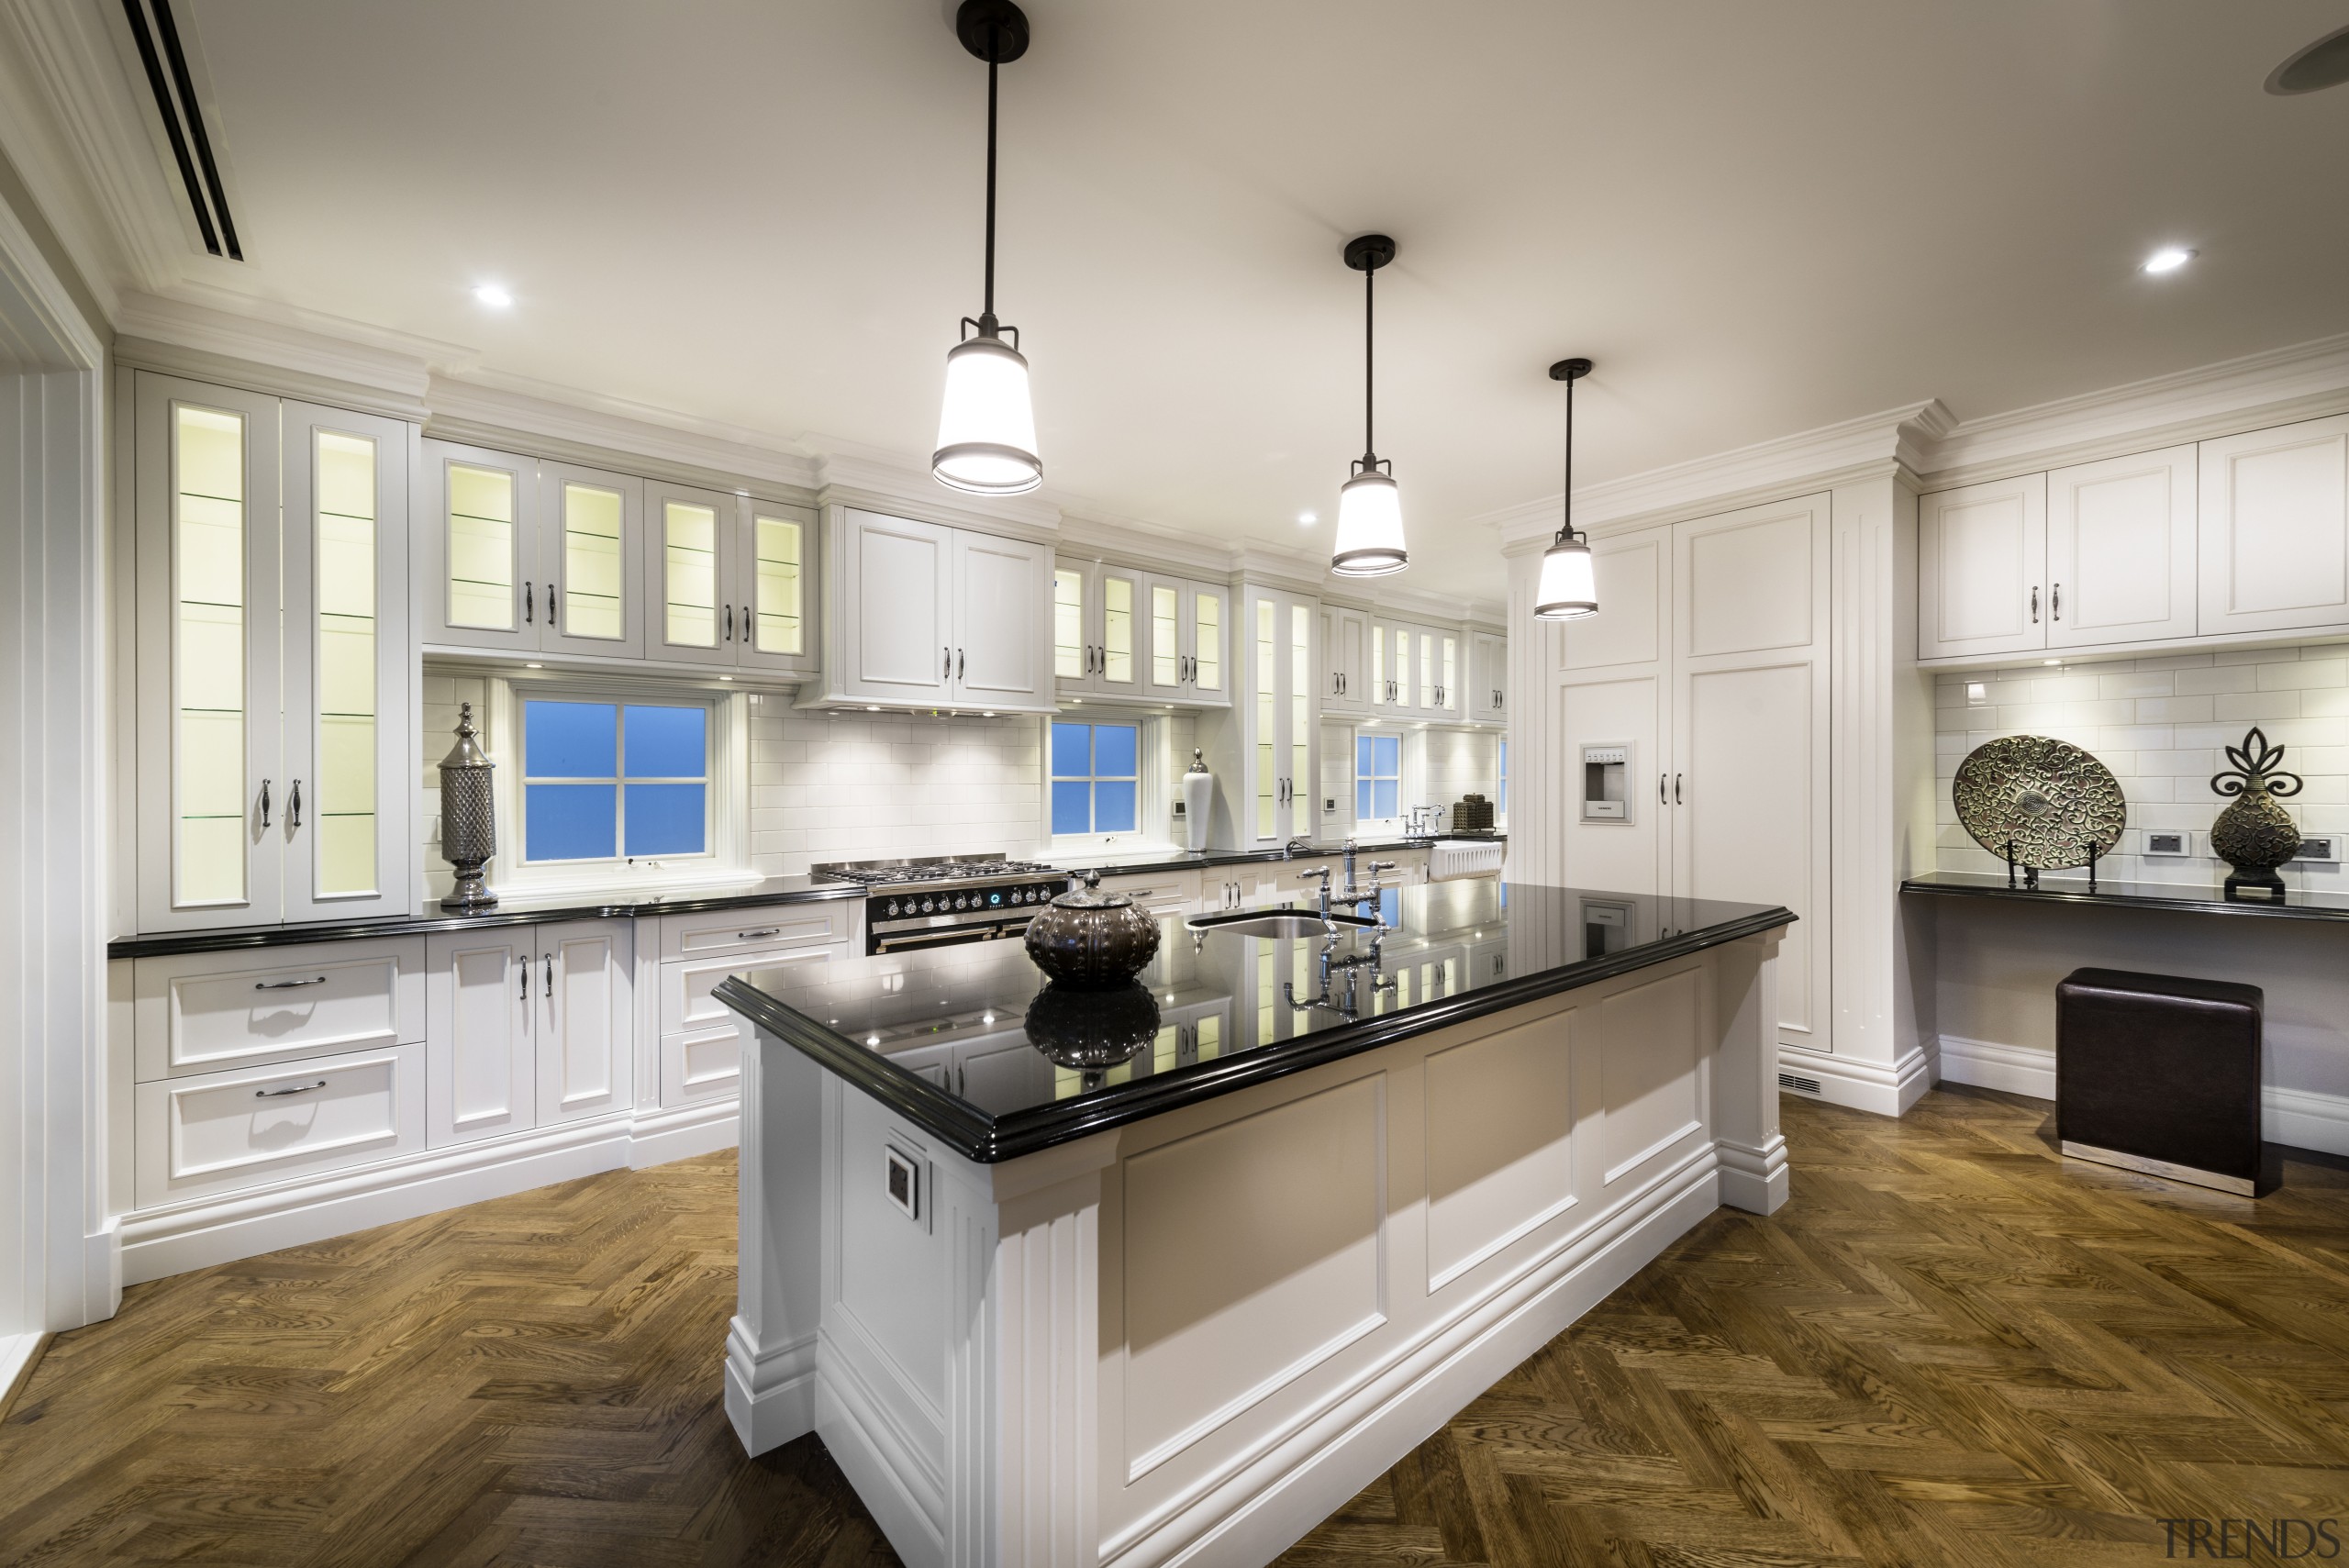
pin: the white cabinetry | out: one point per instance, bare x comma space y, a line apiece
1982, 568
592, 555
276, 734
1185, 633
531, 1026
1487, 694
2274, 528
701, 1050
2120, 550
1264, 752
1709, 661
920, 615
1098, 630
1345, 636
727, 580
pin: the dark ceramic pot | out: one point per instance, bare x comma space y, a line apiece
1093, 1030
2254, 834
1088, 940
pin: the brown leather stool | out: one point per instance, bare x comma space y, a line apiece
2161, 1074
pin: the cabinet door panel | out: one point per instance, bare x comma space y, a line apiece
1206, 638
770, 573
1982, 560
2274, 528
1634, 575
999, 619
211, 780
1626, 854
594, 552
2120, 550
900, 583
585, 1021
349, 734
1167, 661
1118, 632
692, 539
482, 586
481, 1079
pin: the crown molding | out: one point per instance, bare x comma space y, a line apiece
41, 328
848, 475
181, 337
1135, 541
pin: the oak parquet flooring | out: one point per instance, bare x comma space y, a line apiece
1951, 1349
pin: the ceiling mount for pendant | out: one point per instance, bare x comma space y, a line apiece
1569, 589
1370, 507
986, 422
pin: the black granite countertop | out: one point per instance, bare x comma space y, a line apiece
1140, 863
509, 912
2298, 904
966, 1042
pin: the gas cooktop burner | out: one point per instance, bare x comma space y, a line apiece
892, 873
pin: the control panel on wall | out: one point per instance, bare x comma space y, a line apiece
1605, 782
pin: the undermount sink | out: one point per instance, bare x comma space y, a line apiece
1280, 923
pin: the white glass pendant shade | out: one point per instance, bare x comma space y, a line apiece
986, 427
1370, 527
1569, 589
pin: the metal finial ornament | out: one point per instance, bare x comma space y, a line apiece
2256, 835
468, 817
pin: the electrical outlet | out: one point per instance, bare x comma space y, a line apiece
2319, 849
2175, 844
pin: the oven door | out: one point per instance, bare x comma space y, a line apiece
904, 936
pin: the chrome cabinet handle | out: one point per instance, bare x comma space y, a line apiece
289, 1089
550, 974
2055, 603
529, 608
762, 931
2034, 603
294, 806
264, 803
289, 984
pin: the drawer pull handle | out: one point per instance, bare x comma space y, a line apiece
762, 931
289, 984
289, 1089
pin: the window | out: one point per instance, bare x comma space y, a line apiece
614, 781
1378, 777
1095, 778
1500, 803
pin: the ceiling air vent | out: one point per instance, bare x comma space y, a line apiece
167, 77
1799, 1085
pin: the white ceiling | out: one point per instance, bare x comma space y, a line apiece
1757, 218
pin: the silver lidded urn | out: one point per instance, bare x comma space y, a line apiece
468, 821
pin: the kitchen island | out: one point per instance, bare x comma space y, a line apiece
1167, 1274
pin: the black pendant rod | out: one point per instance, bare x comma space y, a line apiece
1369, 347
995, 49
1570, 372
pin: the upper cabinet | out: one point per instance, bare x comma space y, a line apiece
2242, 538
1122, 634
1346, 638
276, 734
921, 614
1186, 642
534, 557
1264, 752
2275, 530
1487, 691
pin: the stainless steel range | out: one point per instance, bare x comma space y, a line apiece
934, 902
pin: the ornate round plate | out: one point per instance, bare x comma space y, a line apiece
2050, 799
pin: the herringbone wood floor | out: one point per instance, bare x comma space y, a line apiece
1951, 1348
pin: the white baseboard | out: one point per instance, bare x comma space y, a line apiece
1251, 1517
2302, 1118
1886, 1088
19, 1354
770, 1394
218, 1230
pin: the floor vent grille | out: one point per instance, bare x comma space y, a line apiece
1799, 1085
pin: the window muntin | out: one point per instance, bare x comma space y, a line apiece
1378, 777
1501, 802
1096, 778
614, 781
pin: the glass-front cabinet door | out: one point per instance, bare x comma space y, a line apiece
1207, 618
771, 587
349, 725
482, 585
593, 540
1166, 666
689, 544
1282, 726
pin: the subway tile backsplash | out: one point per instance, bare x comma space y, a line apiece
2162, 725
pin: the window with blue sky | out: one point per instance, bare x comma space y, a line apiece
1500, 804
1379, 776
607, 781
1095, 778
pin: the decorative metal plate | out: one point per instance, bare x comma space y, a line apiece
2050, 799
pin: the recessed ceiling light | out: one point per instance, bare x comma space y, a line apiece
492, 297
2325, 63
2168, 259
1306, 520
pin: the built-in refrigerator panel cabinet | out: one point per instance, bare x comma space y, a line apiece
274, 737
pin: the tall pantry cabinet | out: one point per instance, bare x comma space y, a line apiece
276, 738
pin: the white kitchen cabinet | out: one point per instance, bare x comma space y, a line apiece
207, 1012
277, 744
479, 549
1264, 751
592, 554
585, 1020
1488, 692
1346, 657
1393, 658
480, 1078
1099, 630
1160, 894
921, 614
258, 1127
1982, 568
2121, 556
771, 578
727, 580
1186, 633
2273, 530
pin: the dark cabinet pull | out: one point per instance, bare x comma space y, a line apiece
289, 1089
1661, 797
960, 664
553, 615
748, 624
1675, 789
264, 803
289, 984
294, 806
2034, 603
2055, 603
529, 608
947, 667
524, 994
550, 974
729, 623
761, 931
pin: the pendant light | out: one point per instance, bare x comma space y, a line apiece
1370, 508
1569, 588
986, 425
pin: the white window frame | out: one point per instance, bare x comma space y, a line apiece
1353, 777
727, 810
1154, 799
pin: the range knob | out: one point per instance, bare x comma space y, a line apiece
893, 906
928, 905
961, 902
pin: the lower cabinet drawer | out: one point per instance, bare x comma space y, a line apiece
760, 926
252, 1127
686, 984
207, 1012
1175, 893
700, 1064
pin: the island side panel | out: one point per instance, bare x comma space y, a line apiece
1746, 1075
770, 1344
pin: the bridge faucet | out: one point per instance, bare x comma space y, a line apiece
1321, 873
